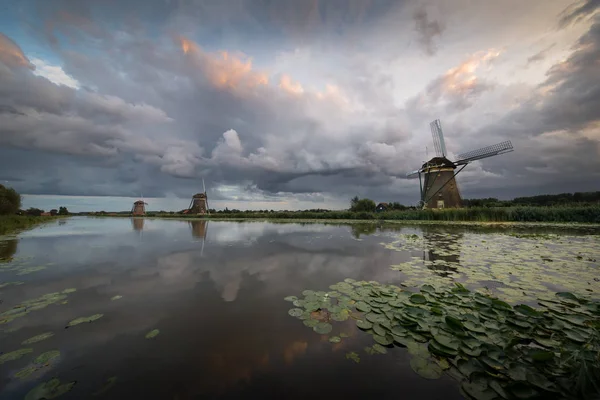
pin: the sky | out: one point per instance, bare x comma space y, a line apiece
293, 105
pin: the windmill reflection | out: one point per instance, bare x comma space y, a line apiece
138, 224
199, 230
443, 251
8, 248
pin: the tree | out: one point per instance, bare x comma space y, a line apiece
357, 205
63, 211
10, 200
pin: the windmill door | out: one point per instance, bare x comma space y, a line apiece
440, 204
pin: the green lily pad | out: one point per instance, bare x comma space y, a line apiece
426, 368
69, 290
362, 306
377, 348
335, 339
117, 297
311, 323
295, 312
38, 338
364, 324
82, 320
384, 340
418, 299
353, 356
110, 382
291, 298
14, 355
49, 390
152, 334
323, 328
47, 357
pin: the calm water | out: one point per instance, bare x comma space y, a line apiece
215, 291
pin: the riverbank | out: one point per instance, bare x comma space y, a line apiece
564, 214
10, 224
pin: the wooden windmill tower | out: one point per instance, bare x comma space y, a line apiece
139, 208
437, 177
199, 203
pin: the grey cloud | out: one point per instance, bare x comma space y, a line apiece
540, 55
578, 11
427, 30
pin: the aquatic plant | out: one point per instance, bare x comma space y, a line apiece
494, 349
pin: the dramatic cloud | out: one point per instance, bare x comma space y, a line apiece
294, 102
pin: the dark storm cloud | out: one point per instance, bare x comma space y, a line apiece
427, 30
540, 55
159, 108
578, 11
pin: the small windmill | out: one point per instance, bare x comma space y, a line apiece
139, 207
439, 188
199, 203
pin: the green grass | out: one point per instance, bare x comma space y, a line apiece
16, 223
565, 214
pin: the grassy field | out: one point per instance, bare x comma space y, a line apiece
15, 223
564, 214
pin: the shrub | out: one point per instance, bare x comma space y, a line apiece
10, 200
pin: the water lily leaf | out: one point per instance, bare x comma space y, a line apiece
152, 334
38, 338
69, 290
425, 368
527, 311
574, 336
362, 306
341, 315
49, 390
14, 355
322, 328
82, 320
447, 341
377, 348
479, 390
384, 340
454, 323
311, 323
441, 350
474, 327
378, 329
47, 357
353, 356
501, 305
468, 367
427, 289
541, 355
364, 324
335, 339
523, 390
540, 381
110, 382
27, 371
291, 298
295, 312
418, 299
498, 388
307, 293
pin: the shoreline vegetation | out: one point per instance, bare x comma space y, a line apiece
11, 224
589, 214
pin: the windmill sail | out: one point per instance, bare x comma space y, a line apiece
485, 152
438, 138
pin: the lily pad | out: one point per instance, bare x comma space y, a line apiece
38, 338
335, 339
49, 390
426, 368
14, 355
117, 297
47, 357
362, 324
152, 334
291, 298
323, 328
82, 320
295, 312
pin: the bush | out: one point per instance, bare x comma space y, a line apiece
10, 200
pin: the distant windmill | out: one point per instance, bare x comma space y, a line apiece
199, 203
439, 188
139, 207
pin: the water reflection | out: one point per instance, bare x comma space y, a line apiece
363, 229
8, 248
138, 224
443, 250
224, 328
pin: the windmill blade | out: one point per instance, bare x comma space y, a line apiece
438, 138
413, 173
485, 152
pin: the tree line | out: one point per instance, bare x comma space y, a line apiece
11, 200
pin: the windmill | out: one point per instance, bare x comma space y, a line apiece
437, 176
199, 203
139, 207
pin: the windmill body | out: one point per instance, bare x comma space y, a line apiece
437, 177
139, 208
199, 203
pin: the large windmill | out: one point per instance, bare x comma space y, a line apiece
437, 176
199, 203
